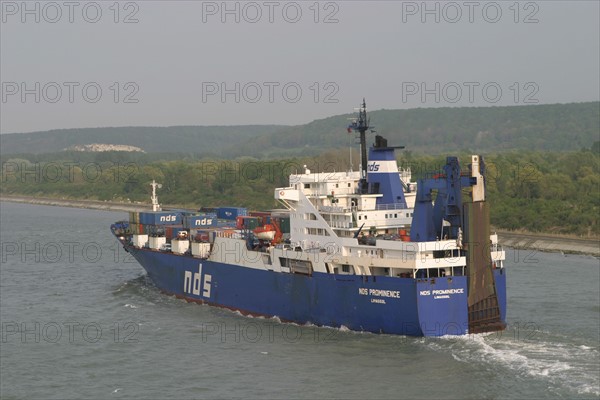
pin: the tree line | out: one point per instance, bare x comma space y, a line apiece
549, 192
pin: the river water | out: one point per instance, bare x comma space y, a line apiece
81, 320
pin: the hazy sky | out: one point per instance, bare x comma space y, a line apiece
88, 64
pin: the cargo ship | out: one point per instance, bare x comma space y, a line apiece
367, 250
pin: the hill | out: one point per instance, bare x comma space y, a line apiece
207, 140
552, 127
555, 127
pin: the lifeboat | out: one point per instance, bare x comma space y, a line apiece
265, 232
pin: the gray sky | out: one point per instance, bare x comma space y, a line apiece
191, 63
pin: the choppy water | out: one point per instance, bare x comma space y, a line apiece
79, 320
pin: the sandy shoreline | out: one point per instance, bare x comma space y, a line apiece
515, 240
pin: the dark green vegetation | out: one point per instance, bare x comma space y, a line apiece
534, 190
205, 140
553, 127
543, 161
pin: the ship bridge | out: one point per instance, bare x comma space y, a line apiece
337, 197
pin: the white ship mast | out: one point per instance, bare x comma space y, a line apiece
155, 205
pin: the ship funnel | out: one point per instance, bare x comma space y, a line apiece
383, 175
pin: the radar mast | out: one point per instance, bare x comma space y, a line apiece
361, 125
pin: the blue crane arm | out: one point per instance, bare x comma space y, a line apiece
440, 218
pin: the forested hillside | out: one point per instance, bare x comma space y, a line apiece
207, 140
553, 127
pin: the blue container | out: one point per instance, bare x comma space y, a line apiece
199, 221
231, 213
225, 223
160, 218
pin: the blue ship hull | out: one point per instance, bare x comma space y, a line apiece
379, 304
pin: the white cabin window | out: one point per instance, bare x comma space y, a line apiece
307, 186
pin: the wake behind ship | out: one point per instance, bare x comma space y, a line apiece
368, 250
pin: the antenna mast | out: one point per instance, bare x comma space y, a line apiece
361, 124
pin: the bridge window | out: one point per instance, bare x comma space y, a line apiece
307, 186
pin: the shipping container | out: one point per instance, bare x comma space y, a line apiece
284, 224
201, 250
180, 246
137, 229
134, 217
231, 213
155, 230
264, 217
140, 240
199, 221
160, 218
204, 235
247, 222
225, 223
157, 242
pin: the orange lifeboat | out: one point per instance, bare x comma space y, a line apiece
265, 232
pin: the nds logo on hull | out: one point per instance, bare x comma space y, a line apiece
196, 282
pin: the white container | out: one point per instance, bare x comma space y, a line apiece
201, 250
140, 240
156, 242
180, 246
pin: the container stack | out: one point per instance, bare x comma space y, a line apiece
231, 213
